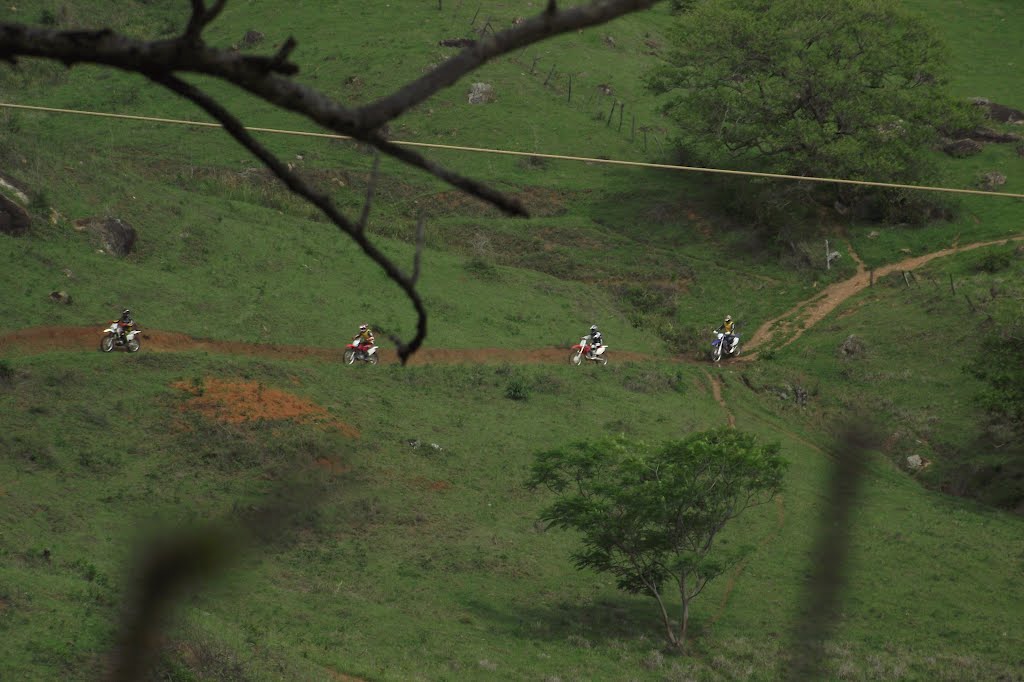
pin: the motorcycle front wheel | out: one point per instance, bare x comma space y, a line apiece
133, 346
373, 359
350, 357
107, 343
716, 353
602, 360
576, 358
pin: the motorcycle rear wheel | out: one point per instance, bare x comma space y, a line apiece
576, 358
350, 357
107, 343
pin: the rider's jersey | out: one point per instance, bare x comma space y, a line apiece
364, 338
727, 327
595, 339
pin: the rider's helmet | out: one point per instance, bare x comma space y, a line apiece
363, 327
728, 318
126, 313
593, 328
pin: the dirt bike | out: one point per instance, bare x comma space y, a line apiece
113, 338
581, 351
354, 352
719, 347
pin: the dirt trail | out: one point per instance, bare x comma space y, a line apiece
806, 314
716, 391
47, 339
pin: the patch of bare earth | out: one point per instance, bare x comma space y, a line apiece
232, 401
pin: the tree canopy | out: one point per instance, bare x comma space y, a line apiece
848, 88
650, 516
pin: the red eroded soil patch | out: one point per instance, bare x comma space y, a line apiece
235, 402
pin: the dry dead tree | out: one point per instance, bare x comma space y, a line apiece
270, 78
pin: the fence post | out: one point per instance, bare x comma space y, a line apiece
610, 114
473, 23
644, 129
632, 130
534, 65
621, 107
871, 282
569, 98
828, 261
549, 75
952, 287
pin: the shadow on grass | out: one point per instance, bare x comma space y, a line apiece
606, 622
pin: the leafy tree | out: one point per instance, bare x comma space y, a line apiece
650, 516
845, 88
997, 476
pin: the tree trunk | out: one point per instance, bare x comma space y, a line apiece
684, 619
665, 618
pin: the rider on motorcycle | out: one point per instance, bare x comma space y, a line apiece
125, 324
727, 328
594, 340
364, 339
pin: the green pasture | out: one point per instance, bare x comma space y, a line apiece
428, 563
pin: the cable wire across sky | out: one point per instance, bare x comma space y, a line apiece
510, 152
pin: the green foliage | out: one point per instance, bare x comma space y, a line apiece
852, 89
650, 516
1001, 367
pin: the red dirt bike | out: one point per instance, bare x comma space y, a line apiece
354, 353
582, 351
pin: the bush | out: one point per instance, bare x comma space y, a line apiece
994, 262
517, 389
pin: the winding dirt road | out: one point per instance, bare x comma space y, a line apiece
801, 317
792, 324
48, 339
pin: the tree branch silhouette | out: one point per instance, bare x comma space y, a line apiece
269, 78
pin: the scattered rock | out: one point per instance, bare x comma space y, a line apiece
55, 216
14, 220
252, 38
852, 347
999, 112
801, 395
517, 21
457, 42
19, 191
62, 297
481, 93
989, 135
117, 236
961, 149
67, 273
609, 41
354, 82
873, 234
1020, 150
917, 462
413, 443
992, 180
604, 89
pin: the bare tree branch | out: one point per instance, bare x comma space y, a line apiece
371, 185
545, 25
201, 17
296, 184
269, 79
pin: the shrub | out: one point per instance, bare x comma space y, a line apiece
517, 389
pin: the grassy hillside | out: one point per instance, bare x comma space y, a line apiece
407, 561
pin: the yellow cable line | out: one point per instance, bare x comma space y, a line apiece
508, 152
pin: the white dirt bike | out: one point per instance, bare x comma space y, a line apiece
581, 352
112, 339
719, 347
